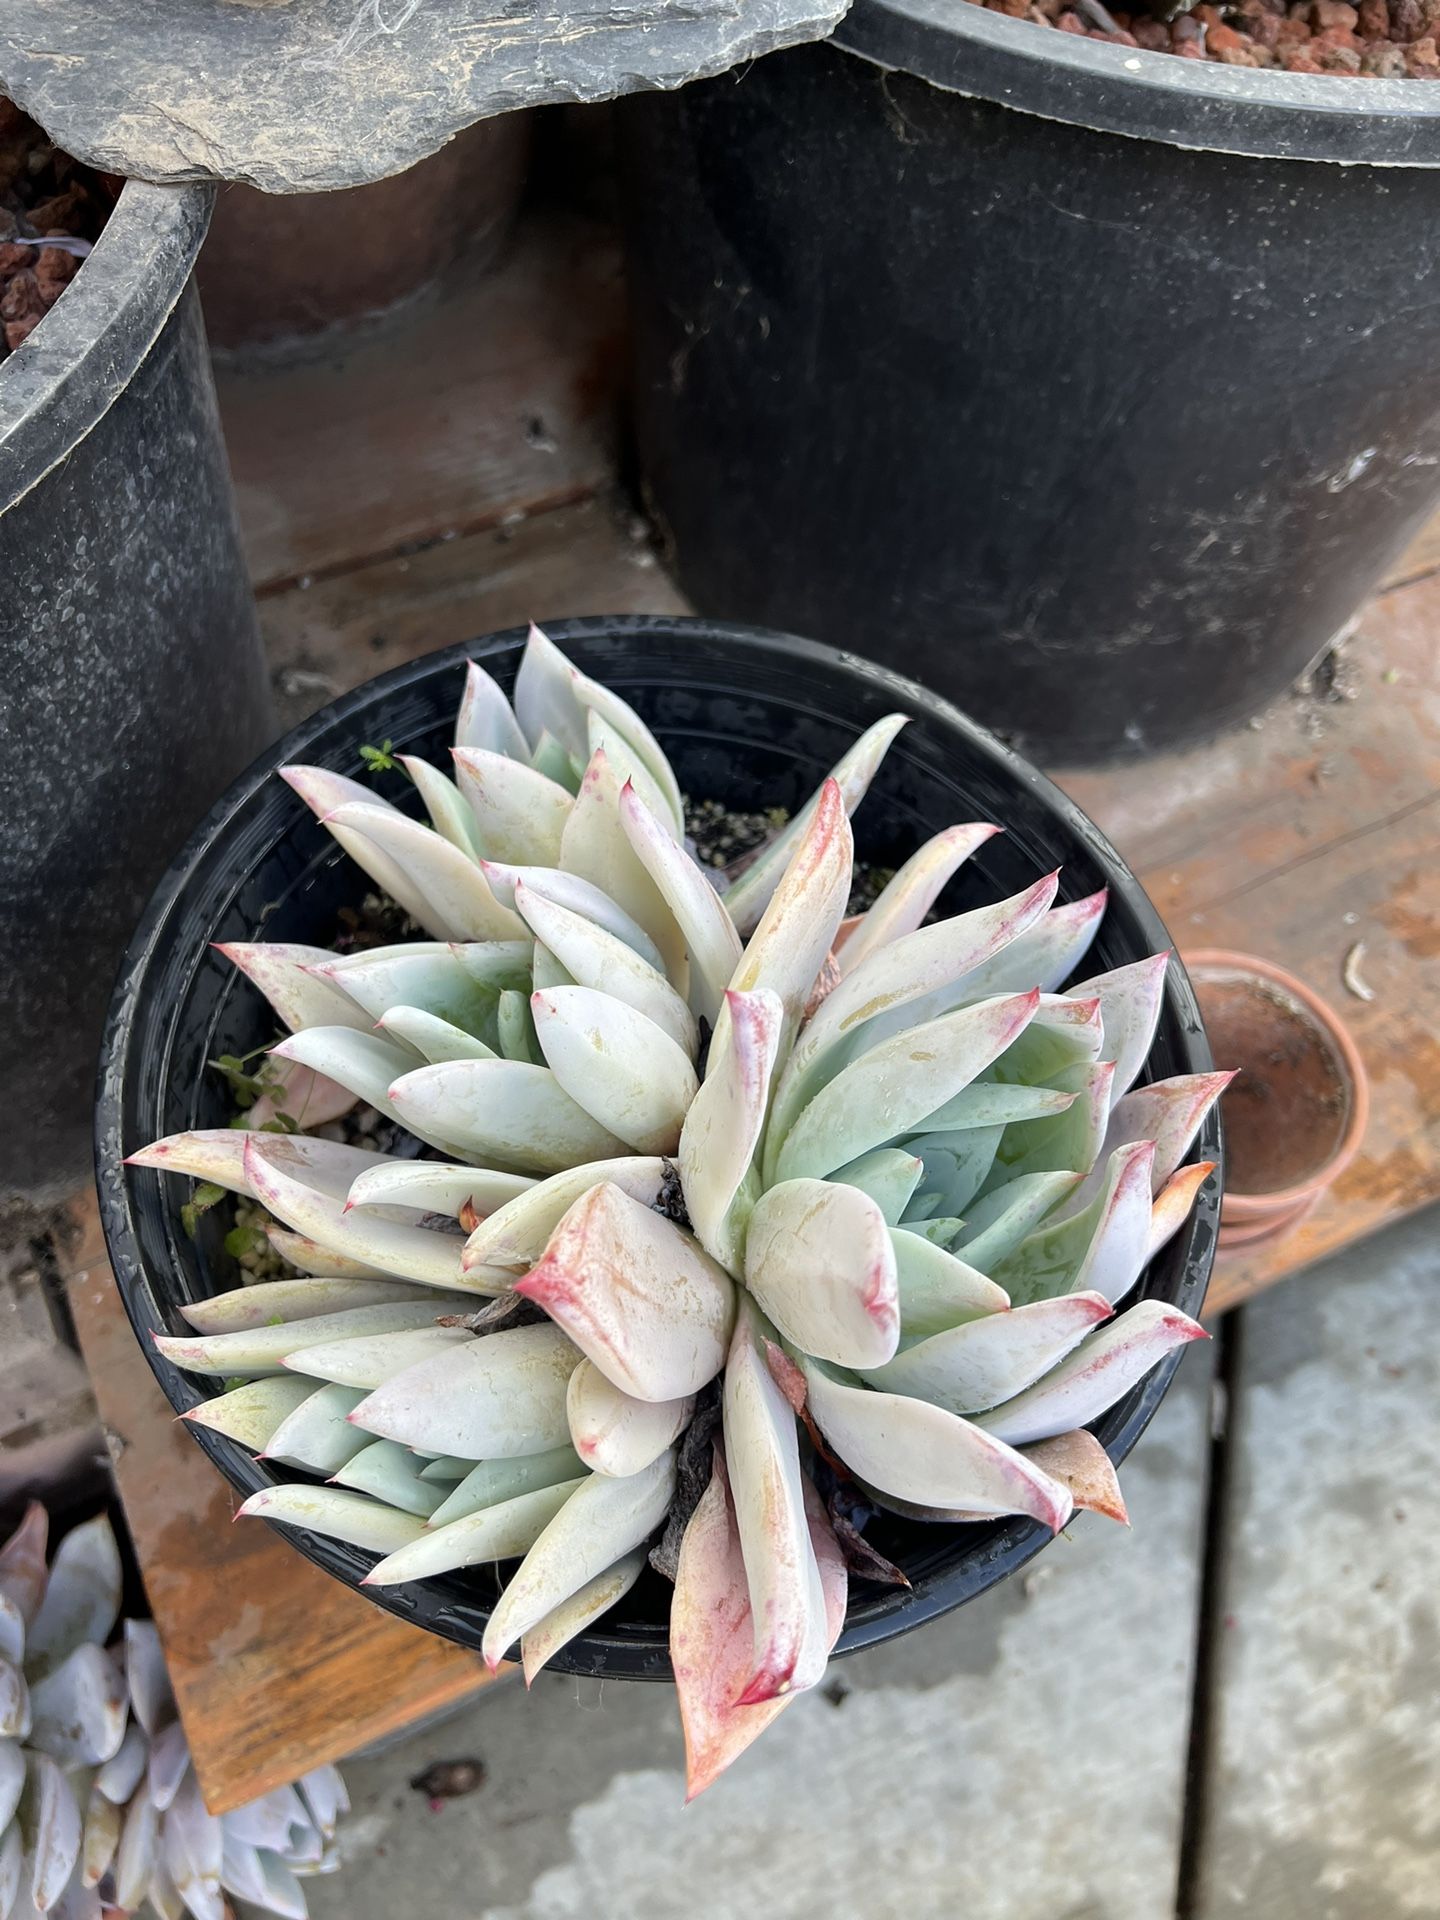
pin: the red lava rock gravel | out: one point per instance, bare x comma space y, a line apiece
44, 194
1387, 39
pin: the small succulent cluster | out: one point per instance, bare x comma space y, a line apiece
765, 1200
100, 1810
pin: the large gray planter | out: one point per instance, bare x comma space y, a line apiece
132, 687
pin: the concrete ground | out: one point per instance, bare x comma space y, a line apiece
1229, 1709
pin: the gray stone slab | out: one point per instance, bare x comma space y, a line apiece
1021, 1760
1323, 1795
303, 95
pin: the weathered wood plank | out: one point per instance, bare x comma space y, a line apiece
497, 398
575, 560
1295, 840
277, 1667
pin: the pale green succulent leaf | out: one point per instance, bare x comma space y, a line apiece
888, 1091
485, 719
596, 848
935, 1289
637, 1295
1131, 999
272, 1300
516, 1027
616, 1063
889, 1175
601, 961
904, 903
81, 1599
390, 1473
78, 1712
447, 1472
725, 1121
286, 975
325, 793
315, 1261
820, 1262
1100, 1371
503, 1112
1046, 954
434, 1039
788, 948
551, 759
50, 1829
601, 1522
338, 1514
578, 896
514, 1235
366, 1063
251, 1414
996, 1225
581, 1610
318, 1437
503, 1531
921, 1453
449, 813
630, 770
368, 1360
705, 926
519, 813
852, 773
491, 1481
782, 1574
957, 1164
277, 1176
263, 1350
982, 1362
456, 897
457, 983
903, 984
615, 1434
490, 1398
1064, 1142
433, 1186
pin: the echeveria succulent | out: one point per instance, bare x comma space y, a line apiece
757, 1194
100, 1809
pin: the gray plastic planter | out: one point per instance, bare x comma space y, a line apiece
132, 688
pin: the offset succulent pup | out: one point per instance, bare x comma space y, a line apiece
878, 1187
100, 1810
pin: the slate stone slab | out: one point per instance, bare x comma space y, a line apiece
294, 96
1322, 1800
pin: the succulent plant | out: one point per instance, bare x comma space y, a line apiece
763, 1200
100, 1809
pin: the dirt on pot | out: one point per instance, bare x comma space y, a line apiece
44, 195
1286, 1113
1385, 39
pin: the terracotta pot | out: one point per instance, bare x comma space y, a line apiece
1295, 1116
284, 266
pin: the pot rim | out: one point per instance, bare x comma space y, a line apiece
997, 1551
1243, 1208
64, 379
1196, 104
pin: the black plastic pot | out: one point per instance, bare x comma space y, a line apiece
752, 718
133, 684
1103, 437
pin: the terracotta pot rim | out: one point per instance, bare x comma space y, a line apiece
1242, 1209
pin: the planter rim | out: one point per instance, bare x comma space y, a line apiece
1197, 104
432, 1604
84, 353
1284, 1205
